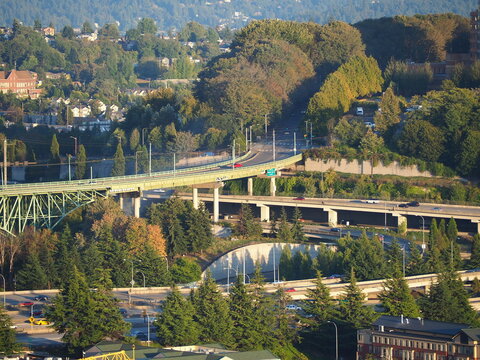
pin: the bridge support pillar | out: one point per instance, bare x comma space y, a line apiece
264, 213
478, 227
250, 186
273, 187
400, 220
136, 206
332, 217
196, 203
120, 201
216, 205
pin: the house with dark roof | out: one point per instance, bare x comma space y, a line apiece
399, 337
194, 352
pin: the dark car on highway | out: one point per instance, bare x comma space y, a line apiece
413, 203
403, 205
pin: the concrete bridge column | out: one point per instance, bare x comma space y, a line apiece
400, 220
120, 201
250, 186
273, 187
264, 213
216, 205
136, 206
332, 217
195, 198
478, 227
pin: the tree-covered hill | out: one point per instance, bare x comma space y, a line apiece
235, 13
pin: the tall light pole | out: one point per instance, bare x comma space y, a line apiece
294, 143
174, 164
5, 162
69, 168
149, 158
233, 154
148, 328
266, 126
250, 145
274, 145
423, 234
75, 148
4, 290
141, 272
385, 212
336, 338
403, 260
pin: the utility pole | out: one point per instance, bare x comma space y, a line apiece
75, 148
273, 144
294, 143
246, 139
250, 147
174, 164
5, 162
69, 169
311, 134
149, 158
266, 125
233, 154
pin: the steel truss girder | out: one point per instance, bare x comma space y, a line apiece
41, 210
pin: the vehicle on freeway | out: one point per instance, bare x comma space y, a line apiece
335, 276
413, 203
159, 190
41, 322
299, 198
41, 298
26, 303
237, 165
436, 208
373, 201
335, 229
293, 307
290, 290
403, 205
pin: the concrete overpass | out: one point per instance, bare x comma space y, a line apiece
331, 208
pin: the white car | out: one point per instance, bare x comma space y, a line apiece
373, 201
293, 307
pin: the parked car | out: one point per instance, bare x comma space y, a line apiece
359, 111
290, 290
373, 201
41, 298
335, 276
293, 307
413, 203
299, 198
41, 322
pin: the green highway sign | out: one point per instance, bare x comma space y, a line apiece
271, 172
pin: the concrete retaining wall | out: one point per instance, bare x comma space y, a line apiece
364, 167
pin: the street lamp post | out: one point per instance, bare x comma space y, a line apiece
141, 272
274, 155
148, 328
149, 158
336, 338
75, 148
143, 136
423, 234
403, 260
69, 168
4, 289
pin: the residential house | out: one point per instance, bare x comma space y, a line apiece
402, 338
91, 123
81, 111
21, 82
48, 31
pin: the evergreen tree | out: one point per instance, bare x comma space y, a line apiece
352, 309
321, 305
175, 323
394, 258
448, 301
284, 233
416, 264
245, 335
87, 28
284, 323
199, 229
154, 266
8, 341
452, 230
298, 234
32, 275
134, 139
53, 171
475, 252
81, 165
389, 114
92, 260
397, 299
286, 264
85, 317
118, 162
247, 226
211, 313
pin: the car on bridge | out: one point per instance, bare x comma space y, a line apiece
237, 165
373, 201
290, 290
26, 303
293, 307
41, 298
413, 203
299, 198
41, 322
403, 205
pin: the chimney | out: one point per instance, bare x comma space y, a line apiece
401, 318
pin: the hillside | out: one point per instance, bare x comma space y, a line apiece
235, 13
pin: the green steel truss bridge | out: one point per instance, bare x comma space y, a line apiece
46, 204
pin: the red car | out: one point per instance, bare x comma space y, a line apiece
26, 303
237, 165
290, 290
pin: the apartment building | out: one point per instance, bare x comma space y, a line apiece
402, 338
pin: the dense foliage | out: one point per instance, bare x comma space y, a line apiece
170, 13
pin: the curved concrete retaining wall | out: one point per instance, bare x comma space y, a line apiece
266, 255
364, 167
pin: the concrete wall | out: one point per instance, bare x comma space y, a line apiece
364, 167
263, 253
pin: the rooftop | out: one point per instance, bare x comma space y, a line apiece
420, 325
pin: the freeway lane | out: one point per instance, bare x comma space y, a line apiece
431, 210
